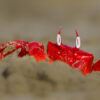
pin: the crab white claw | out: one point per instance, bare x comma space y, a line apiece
58, 39
78, 43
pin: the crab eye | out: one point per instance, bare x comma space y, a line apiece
58, 39
78, 44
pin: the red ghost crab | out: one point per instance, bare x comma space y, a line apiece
73, 56
27, 48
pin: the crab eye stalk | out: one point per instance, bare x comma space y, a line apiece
58, 40
59, 37
78, 43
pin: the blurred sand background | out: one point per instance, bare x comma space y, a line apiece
40, 20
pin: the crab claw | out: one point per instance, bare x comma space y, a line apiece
37, 50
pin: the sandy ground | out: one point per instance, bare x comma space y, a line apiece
24, 78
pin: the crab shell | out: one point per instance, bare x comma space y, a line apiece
73, 56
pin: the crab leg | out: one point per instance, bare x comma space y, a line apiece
96, 66
1, 55
32, 49
16, 44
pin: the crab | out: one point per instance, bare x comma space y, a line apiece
73, 56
